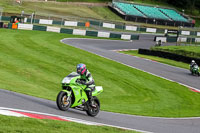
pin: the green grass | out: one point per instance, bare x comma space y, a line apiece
197, 24
10, 124
159, 59
34, 63
60, 10
150, 2
190, 51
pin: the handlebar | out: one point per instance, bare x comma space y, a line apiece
79, 81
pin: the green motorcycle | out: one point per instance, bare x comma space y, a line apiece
74, 96
195, 70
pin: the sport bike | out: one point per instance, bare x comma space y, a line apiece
73, 95
195, 70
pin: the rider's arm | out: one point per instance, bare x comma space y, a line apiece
90, 80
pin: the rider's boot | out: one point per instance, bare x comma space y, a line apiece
90, 98
92, 103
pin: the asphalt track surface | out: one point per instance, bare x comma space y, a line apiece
149, 124
102, 47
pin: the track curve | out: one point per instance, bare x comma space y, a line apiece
103, 47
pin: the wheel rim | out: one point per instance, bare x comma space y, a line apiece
94, 110
65, 102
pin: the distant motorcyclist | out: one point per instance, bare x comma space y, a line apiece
86, 79
192, 64
194, 68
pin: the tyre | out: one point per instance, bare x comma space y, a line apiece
63, 101
93, 111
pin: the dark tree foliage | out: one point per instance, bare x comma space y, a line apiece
180, 3
197, 3
189, 4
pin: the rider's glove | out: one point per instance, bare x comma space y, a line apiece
82, 82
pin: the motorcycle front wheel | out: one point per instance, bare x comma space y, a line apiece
93, 111
63, 101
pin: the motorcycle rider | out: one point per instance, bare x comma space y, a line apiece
86, 79
192, 64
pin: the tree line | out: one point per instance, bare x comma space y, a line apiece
187, 4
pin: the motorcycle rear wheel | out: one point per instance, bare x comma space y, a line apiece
63, 101
93, 111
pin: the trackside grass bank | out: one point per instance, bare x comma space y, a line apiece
190, 51
60, 10
34, 63
11, 124
159, 59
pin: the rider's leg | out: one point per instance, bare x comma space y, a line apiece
89, 95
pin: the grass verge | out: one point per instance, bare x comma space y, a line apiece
34, 63
158, 59
10, 124
190, 51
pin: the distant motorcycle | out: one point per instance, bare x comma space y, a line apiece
74, 96
195, 70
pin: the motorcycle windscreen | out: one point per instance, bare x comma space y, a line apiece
70, 77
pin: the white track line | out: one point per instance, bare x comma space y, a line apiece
160, 118
10, 113
6, 111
